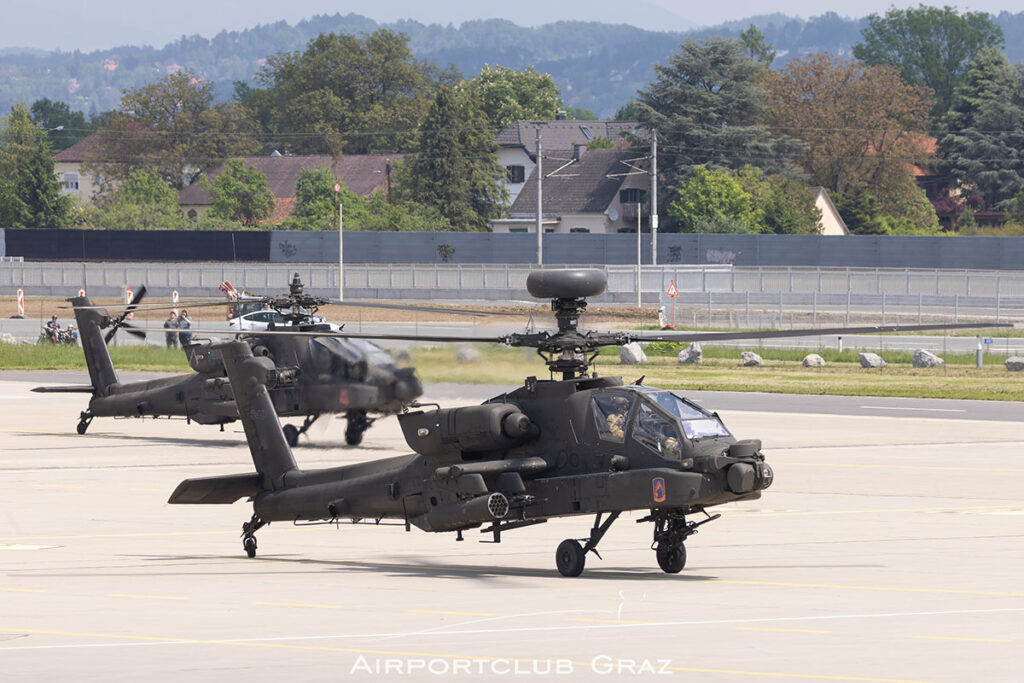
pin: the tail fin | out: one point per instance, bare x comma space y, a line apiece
249, 377
97, 357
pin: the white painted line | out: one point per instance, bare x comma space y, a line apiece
576, 626
925, 410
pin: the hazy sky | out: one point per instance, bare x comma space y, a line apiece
97, 24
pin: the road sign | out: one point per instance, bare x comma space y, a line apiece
174, 300
337, 188
988, 340
21, 304
672, 291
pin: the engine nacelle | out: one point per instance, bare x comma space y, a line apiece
472, 429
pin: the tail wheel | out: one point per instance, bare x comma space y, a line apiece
570, 558
250, 546
291, 435
671, 558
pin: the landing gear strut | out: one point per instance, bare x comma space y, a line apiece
670, 533
571, 557
249, 534
84, 421
292, 433
358, 423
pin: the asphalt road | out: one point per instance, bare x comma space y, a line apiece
890, 548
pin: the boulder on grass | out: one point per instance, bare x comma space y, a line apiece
632, 354
926, 359
691, 355
813, 360
1015, 363
467, 355
871, 360
750, 359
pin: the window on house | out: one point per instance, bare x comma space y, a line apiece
70, 182
549, 229
586, 133
633, 195
519, 230
516, 174
579, 229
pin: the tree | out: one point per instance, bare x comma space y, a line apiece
779, 205
30, 194
859, 123
142, 202
507, 95
173, 128
50, 116
983, 144
455, 169
343, 92
712, 198
707, 104
240, 193
929, 46
315, 204
757, 48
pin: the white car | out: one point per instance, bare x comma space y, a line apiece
259, 321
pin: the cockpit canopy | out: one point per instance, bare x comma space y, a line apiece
657, 419
340, 356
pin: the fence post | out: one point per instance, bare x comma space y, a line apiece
883, 308
814, 304
847, 307
709, 309
956, 308
920, 305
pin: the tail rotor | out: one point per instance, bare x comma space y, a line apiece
119, 322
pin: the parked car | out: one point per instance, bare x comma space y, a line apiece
260, 320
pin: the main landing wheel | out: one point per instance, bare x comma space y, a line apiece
570, 558
356, 425
291, 435
671, 558
82, 426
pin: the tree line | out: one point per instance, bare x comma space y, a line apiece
739, 141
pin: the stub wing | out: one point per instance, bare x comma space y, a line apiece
225, 489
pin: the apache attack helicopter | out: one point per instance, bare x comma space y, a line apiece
579, 445
327, 375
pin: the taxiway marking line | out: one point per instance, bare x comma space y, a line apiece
454, 614
21, 590
57, 486
922, 410
125, 535
613, 621
967, 640
781, 630
147, 597
914, 468
300, 604
148, 640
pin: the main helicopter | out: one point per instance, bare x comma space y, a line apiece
578, 445
350, 376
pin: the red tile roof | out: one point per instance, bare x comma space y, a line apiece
363, 174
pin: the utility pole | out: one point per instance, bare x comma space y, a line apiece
540, 205
638, 257
341, 259
654, 197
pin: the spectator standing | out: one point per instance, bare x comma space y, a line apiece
171, 335
184, 324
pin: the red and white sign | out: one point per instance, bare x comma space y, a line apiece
174, 300
672, 291
81, 292
337, 188
128, 297
21, 304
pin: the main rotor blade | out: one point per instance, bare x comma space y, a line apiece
808, 332
350, 335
